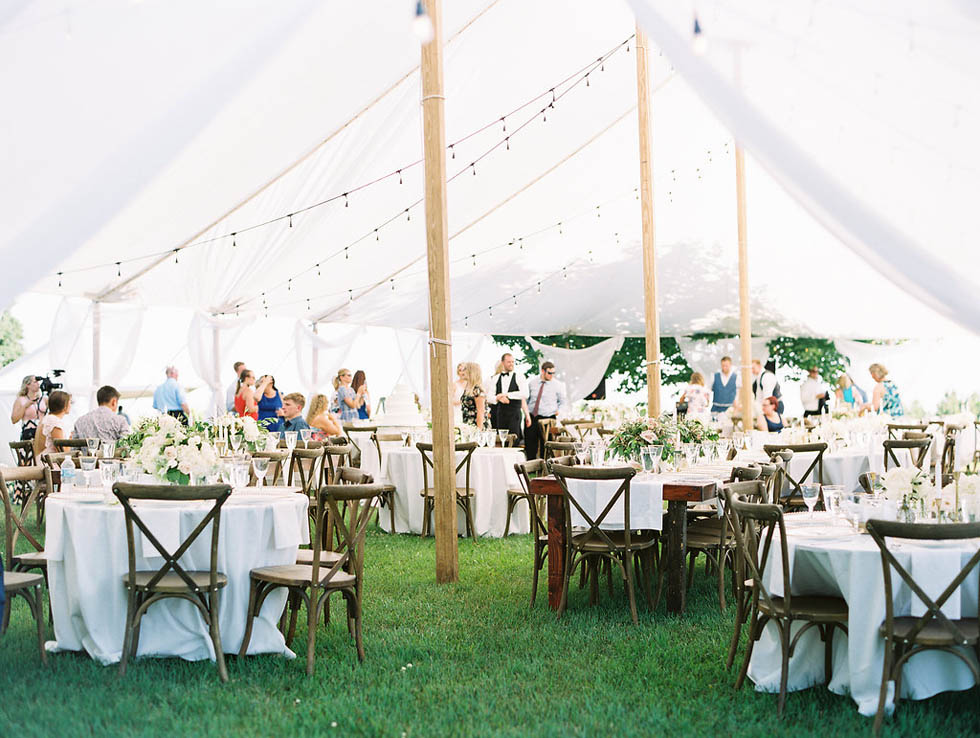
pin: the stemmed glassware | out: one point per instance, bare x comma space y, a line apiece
306, 434
811, 493
502, 434
290, 437
272, 441
221, 446
690, 451
581, 450
260, 465
236, 442
93, 446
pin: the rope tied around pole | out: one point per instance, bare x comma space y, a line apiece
433, 341
432, 97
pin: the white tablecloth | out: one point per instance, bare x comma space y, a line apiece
370, 463
646, 501
834, 560
491, 474
845, 466
87, 557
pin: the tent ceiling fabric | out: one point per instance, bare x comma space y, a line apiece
99, 176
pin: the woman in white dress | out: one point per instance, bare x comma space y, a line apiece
456, 393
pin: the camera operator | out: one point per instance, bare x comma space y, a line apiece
30, 407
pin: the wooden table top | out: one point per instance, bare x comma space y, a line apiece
686, 491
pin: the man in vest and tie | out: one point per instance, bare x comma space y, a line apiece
507, 398
546, 397
724, 387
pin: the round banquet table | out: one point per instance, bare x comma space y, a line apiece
370, 462
85, 543
835, 560
843, 467
491, 475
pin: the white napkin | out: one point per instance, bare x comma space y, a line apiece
164, 523
933, 569
285, 525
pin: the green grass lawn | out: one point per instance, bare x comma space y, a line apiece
482, 663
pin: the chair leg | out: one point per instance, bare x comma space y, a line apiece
784, 636
692, 556
537, 568
511, 501
354, 613
128, 637
736, 631
754, 626
594, 567
564, 589
828, 655
250, 615
722, 558
391, 511
36, 604
6, 615
426, 512
886, 669
312, 613
470, 526
292, 606
630, 585
219, 652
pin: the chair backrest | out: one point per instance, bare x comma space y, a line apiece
68, 443
351, 475
918, 448
378, 438
426, 450
217, 493
595, 531
306, 469
895, 429
606, 432
276, 459
13, 524
351, 428
350, 524
558, 448
510, 441
816, 465
948, 459
754, 525
334, 456
56, 458
882, 530
23, 451
744, 473
583, 429
569, 460
526, 471
914, 435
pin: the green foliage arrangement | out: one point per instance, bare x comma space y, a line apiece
797, 355
633, 435
11, 335
694, 431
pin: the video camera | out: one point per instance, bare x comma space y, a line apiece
47, 385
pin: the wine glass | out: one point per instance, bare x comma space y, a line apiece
290, 437
305, 434
260, 465
221, 446
690, 453
272, 441
93, 446
236, 442
811, 493
502, 433
581, 451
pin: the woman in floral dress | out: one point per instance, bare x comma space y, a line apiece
473, 402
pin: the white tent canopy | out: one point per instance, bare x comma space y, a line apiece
141, 124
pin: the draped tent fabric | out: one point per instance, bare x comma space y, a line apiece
543, 215
208, 342
580, 369
705, 356
329, 355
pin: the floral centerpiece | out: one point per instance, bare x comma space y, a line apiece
695, 431
910, 488
249, 433
633, 435
968, 490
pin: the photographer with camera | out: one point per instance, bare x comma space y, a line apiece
30, 407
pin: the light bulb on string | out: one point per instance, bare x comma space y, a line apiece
59, 278
699, 43
507, 141
474, 259
422, 24
490, 310
308, 306
347, 252
118, 268
504, 122
560, 231
515, 300
597, 213
586, 80
539, 288
234, 240
377, 236
520, 243
289, 285
473, 165
400, 177
466, 321
176, 260
392, 285
318, 270
544, 115
408, 215
564, 272
350, 295
346, 201
290, 220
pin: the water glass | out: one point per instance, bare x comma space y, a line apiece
290, 437
110, 472
260, 465
306, 434
650, 457
93, 446
239, 474
235, 441
832, 496
811, 494
597, 455
108, 449
87, 463
130, 472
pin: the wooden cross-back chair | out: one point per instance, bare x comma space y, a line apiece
632, 551
23, 452
547, 427
20, 580
312, 584
335, 455
332, 543
145, 588
583, 429
350, 428
558, 448
63, 444
464, 494
754, 526
918, 449
815, 469
895, 430
526, 471
906, 636
948, 458
276, 474
387, 499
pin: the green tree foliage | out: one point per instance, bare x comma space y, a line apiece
950, 404
627, 362
11, 335
797, 355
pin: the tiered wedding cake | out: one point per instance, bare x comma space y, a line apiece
401, 410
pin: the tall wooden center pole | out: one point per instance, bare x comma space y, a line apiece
745, 316
646, 207
437, 240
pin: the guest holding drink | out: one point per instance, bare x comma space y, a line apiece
320, 418
359, 385
269, 404
54, 426
770, 420
29, 407
232, 391
245, 398
347, 398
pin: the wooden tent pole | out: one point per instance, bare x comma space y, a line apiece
746, 399
646, 208
437, 241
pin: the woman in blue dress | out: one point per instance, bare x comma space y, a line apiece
347, 398
359, 385
270, 406
770, 420
885, 399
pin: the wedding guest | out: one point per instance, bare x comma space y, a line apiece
845, 391
320, 418
232, 392
246, 398
508, 398
170, 398
347, 398
54, 425
885, 397
695, 394
269, 403
456, 392
359, 385
546, 398
813, 393
724, 387
104, 422
292, 412
473, 401
770, 420
29, 407
765, 383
